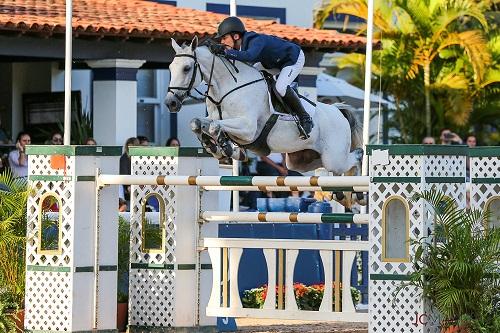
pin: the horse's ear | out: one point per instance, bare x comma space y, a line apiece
176, 46
194, 43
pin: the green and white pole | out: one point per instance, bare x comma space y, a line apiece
276, 217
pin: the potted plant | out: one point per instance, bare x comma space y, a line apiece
13, 201
123, 271
308, 297
457, 266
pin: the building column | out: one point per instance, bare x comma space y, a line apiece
114, 99
307, 82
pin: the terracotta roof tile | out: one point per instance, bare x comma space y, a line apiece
145, 19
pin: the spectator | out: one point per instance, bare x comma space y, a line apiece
18, 160
56, 139
90, 142
173, 142
447, 137
143, 140
122, 205
125, 164
428, 140
471, 141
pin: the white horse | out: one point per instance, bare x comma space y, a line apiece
239, 106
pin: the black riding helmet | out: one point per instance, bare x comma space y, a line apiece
229, 25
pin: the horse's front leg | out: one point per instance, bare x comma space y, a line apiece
237, 128
200, 128
242, 129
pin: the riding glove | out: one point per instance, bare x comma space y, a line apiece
218, 49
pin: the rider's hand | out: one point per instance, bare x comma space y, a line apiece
218, 49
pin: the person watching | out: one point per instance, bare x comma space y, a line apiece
18, 160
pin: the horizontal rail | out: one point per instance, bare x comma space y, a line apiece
289, 244
222, 216
286, 188
359, 317
316, 181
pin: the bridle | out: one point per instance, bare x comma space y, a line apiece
197, 68
188, 89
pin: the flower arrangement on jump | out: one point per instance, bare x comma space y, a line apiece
307, 297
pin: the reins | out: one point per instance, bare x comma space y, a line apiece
206, 94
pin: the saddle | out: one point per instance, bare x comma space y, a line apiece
259, 146
278, 104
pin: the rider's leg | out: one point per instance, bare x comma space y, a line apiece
285, 78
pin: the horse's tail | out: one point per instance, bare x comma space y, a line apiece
356, 128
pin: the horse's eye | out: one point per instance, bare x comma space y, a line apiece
187, 68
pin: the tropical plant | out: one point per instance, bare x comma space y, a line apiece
123, 257
13, 200
456, 266
81, 126
7, 323
438, 46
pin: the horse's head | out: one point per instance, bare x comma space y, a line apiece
185, 74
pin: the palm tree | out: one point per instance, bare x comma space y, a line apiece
427, 34
13, 199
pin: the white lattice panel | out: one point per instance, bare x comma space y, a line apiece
455, 191
398, 316
378, 194
40, 165
48, 288
484, 168
167, 195
400, 166
62, 190
444, 166
151, 297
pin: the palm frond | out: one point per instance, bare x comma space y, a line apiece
475, 47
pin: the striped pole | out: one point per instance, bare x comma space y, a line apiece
314, 181
221, 216
287, 188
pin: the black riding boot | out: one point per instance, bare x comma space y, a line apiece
293, 101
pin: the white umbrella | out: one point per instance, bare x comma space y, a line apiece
342, 91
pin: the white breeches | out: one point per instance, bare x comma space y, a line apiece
286, 75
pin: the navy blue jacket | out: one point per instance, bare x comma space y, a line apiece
270, 51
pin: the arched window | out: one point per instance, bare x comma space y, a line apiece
396, 230
153, 224
493, 206
49, 224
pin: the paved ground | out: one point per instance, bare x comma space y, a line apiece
246, 325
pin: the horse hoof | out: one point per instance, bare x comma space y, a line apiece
195, 125
214, 129
339, 196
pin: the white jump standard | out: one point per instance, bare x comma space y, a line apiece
180, 284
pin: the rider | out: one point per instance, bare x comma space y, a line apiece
272, 53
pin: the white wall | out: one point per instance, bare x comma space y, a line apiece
81, 80
298, 12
